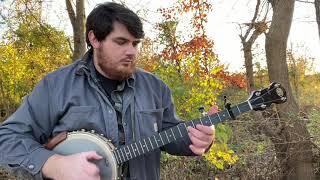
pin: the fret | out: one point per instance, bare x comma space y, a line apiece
219, 117
229, 114
185, 126
201, 122
134, 153
161, 139
137, 148
238, 109
154, 137
179, 131
210, 120
116, 156
151, 143
167, 136
128, 152
120, 156
193, 124
124, 157
250, 105
141, 147
224, 113
173, 134
245, 106
146, 144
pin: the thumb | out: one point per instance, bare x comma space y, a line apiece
92, 155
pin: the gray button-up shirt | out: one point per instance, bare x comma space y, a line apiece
70, 99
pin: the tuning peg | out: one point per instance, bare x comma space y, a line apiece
201, 110
258, 93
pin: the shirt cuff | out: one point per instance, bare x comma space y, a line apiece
36, 159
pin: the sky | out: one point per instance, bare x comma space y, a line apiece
222, 27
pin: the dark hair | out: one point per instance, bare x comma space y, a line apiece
102, 17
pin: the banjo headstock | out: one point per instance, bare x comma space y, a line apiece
261, 99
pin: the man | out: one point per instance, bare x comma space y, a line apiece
104, 91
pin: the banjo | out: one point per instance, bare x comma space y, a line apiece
67, 143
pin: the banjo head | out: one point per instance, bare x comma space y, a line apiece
81, 141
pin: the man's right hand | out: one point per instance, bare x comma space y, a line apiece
72, 167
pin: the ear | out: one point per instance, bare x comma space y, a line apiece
93, 40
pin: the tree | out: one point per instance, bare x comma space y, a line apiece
291, 140
255, 29
29, 49
317, 7
77, 18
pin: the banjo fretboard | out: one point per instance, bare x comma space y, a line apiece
178, 132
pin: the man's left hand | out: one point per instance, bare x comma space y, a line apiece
202, 137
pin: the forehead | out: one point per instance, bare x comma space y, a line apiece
121, 31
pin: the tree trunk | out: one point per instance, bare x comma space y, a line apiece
249, 66
292, 141
255, 28
317, 6
77, 19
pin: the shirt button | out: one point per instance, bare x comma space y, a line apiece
31, 166
125, 124
110, 111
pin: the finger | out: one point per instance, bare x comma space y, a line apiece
92, 155
197, 142
200, 136
206, 129
213, 110
204, 136
196, 150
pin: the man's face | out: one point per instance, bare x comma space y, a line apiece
115, 56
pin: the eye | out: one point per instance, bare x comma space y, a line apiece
120, 41
135, 43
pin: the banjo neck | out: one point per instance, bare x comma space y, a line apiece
148, 144
258, 100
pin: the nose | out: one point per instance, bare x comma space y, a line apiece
131, 50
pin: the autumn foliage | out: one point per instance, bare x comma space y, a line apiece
188, 64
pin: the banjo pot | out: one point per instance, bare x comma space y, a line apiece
82, 141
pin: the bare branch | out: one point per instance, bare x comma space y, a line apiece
71, 12
70, 45
305, 1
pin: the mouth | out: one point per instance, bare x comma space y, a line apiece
127, 61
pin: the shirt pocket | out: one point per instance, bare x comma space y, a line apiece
80, 117
150, 121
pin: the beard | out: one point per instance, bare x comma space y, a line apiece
115, 71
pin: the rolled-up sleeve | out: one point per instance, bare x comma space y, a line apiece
24, 132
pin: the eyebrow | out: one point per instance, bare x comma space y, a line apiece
125, 39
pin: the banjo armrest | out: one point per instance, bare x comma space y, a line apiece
56, 140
